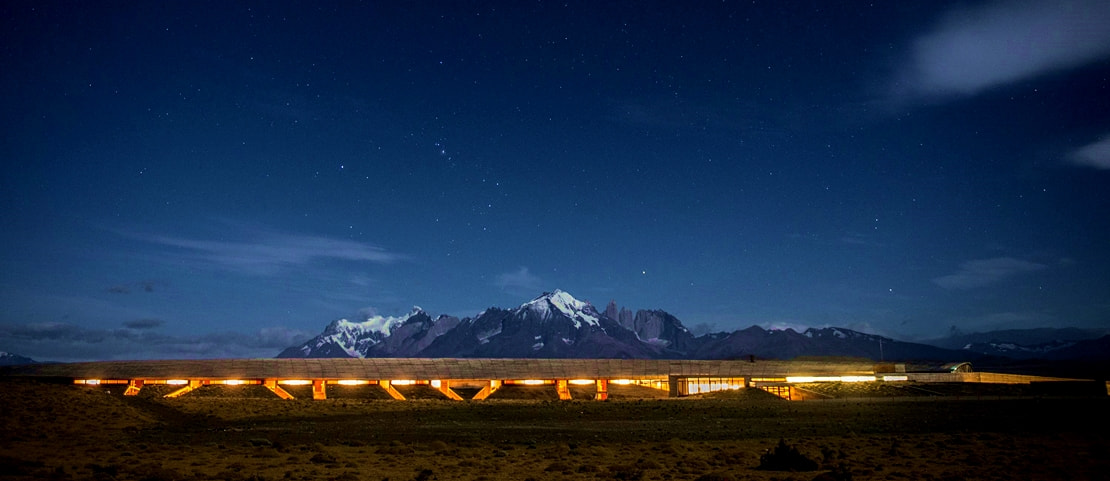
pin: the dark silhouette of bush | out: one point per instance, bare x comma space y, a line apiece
785, 458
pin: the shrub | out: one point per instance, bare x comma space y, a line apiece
785, 458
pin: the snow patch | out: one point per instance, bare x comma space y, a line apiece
578, 311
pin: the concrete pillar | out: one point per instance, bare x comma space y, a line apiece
319, 389
193, 384
392, 391
445, 388
272, 385
562, 389
133, 387
602, 390
489, 389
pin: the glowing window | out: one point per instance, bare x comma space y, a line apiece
295, 382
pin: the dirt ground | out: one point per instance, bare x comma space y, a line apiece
57, 431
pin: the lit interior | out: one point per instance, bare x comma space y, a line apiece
803, 379
436, 383
351, 382
531, 382
177, 382
295, 382
581, 382
697, 385
402, 382
233, 382
896, 378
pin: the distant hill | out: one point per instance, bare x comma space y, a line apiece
1040, 343
9, 359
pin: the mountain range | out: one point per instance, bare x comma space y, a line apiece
556, 325
9, 359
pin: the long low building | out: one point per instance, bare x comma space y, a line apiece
677, 377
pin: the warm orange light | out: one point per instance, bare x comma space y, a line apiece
621, 382
177, 382
233, 382
402, 382
896, 378
802, 379
581, 382
351, 382
436, 383
532, 382
295, 382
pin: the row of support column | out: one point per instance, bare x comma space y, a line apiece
319, 388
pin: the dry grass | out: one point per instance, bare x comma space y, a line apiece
70, 432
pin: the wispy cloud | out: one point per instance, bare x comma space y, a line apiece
985, 272
520, 281
973, 49
263, 251
69, 342
1095, 155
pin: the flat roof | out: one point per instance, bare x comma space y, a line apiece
429, 369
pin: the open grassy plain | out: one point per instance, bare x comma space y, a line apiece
58, 431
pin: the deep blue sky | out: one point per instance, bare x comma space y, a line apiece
221, 180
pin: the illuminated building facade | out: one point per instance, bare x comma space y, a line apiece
486, 376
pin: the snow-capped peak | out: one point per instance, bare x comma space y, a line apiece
576, 310
380, 324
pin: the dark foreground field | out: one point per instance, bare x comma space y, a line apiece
52, 431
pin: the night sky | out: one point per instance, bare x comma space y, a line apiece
185, 180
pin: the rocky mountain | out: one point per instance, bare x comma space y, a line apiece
9, 359
830, 341
1019, 337
556, 325
553, 325
1039, 343
376, 336
657, 328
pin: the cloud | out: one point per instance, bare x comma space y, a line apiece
70, 343
266, 251
520, 281
1095, 155
144, 324
984, 272
974, 49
